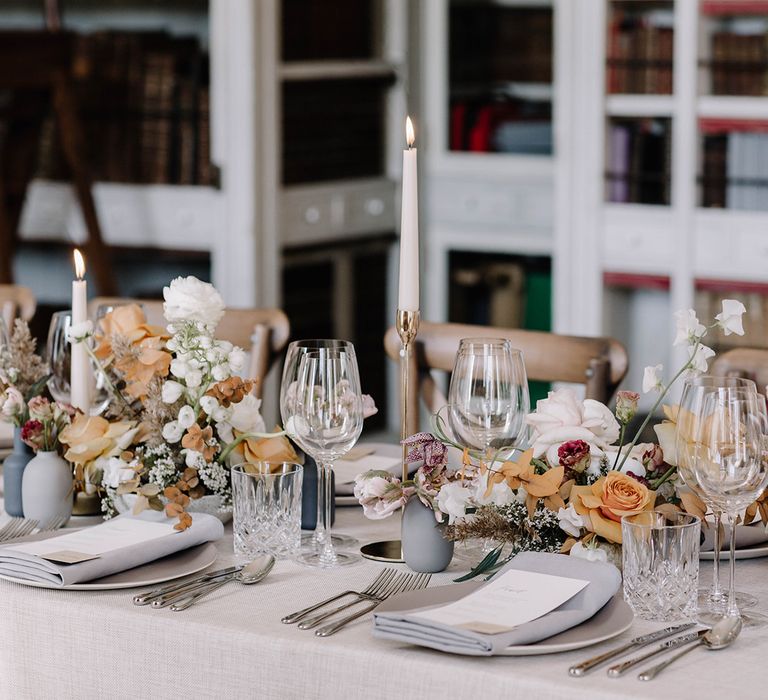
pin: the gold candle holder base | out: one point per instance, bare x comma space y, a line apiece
407, 325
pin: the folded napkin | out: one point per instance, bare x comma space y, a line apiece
746, 535
116, 545
402, 625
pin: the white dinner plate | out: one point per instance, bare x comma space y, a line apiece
184, 563
745, 553
614, 618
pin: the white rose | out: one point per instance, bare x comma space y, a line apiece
209, 404
559, 409
652, 378
220, 373
452, 499
700, 358
179, 368
172, 391
187, 417
689, 330
729, 319
172, 431
500, 494
589, 553
115, 471
236, 359
601, 421
189, 299
12, 402
570, 521
246, 417
78, 332
374, 487
194, 378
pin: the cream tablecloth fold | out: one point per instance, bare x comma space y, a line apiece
204, 528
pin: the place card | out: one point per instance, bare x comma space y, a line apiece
93, 542
508, 601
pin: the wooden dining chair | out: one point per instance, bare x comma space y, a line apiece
598, 363
16, 301
750, 363
264, 331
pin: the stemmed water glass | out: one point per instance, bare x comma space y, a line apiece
712, 601
730, 463
296, 350
326, 419
488, 395
5, 336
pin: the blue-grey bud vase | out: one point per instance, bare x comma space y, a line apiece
13, 472
424, 548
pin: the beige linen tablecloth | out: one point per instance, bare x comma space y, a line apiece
59, 644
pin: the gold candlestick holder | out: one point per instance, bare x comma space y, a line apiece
407, 325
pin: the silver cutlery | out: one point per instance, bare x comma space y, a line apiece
407, 582
722, 634
620, 669
581, 668
254, 572
368, 595
17, 527
300, 614
155, 593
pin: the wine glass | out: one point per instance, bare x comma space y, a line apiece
488, 395
327, 419
5, 335
730, 463
711, 601
296, 350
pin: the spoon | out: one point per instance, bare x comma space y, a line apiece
255, 571
720, 636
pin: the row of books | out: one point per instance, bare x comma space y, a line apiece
144, 100
640, 52
739, 62
639, 161
735, 171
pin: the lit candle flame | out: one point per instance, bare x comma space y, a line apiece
410, 137
79, 264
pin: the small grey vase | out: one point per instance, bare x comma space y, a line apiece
424, 548
46, 488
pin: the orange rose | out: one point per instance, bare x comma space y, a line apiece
608, 500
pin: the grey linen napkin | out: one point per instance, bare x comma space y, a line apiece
204, 528
401, 625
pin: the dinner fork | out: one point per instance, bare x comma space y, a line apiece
407, 582
17, 527
296, 616
368, 595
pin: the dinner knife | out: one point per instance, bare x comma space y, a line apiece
149, 596
619, 669
589, 664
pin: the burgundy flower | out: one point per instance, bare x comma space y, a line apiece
653, 459
32, 433
574, 455
640, 479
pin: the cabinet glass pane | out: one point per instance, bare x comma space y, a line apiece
640, 46
500, 78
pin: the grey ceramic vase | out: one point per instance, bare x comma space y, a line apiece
13, 471
46, 490
424, 548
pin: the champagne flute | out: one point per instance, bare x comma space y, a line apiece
731, 464
695, 389
296, 350
327, 419
488, 395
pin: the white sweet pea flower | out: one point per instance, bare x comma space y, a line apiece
115, 471
729, 319
188, 299
689, 330
171, 391
209, 404
589, 553
179, 368
194, 378
452, 499
221, 414
78, 332
205, 341
246, 417
652, 378
220, 372
700, 357
187, 417
172, 431
236, 359
570, 521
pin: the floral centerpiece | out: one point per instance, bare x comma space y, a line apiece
23, 375
579, 475
180, 413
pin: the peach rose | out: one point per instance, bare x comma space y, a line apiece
91, 437
608, 500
